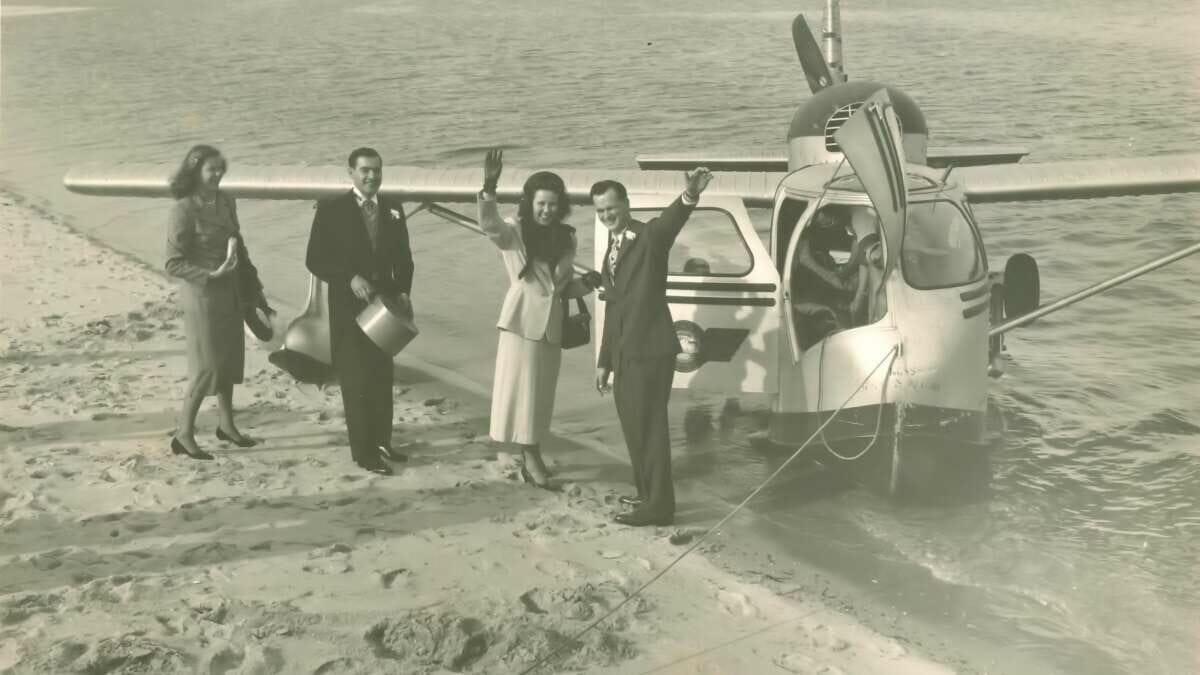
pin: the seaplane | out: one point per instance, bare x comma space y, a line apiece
895, 379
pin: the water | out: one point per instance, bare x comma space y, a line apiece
1082, 557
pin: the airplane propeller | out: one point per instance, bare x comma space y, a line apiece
816, 71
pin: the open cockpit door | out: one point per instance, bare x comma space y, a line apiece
819, 298
723, 292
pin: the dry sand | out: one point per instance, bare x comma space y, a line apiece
118, 557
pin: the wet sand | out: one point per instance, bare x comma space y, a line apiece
118, 557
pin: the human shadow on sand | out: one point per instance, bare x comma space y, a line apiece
235, 529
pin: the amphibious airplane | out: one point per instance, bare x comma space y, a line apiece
904, 369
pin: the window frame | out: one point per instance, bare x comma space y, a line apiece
733, 223
975, 237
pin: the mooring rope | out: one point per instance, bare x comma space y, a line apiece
699, 540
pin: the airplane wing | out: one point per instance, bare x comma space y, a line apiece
407, 183
937, 157
1084, 179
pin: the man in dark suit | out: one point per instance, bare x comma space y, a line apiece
639, 343
359, 247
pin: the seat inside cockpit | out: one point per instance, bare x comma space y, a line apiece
834, 279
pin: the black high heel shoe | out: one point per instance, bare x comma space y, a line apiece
547, 486
246, 442
181, 449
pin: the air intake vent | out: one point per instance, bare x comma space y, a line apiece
837, 119
835, 122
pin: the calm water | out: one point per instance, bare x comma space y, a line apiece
1083, 556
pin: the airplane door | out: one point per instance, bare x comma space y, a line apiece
723, 293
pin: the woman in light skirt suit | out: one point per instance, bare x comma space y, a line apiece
538, 251
206, 252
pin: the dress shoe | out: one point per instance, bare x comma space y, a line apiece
377, 466
548, 486
243, 442
631, 501
641, 518
387, 452
181, 449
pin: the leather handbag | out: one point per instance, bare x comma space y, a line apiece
576, 328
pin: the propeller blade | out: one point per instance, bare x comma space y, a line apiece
871, 141
811, 59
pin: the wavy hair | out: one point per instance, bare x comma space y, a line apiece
547, 244
184, 182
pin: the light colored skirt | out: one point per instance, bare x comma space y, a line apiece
216, 341
523, 389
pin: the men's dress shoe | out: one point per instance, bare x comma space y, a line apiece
181, 449
394, 455
378, 467
642, 518
245, 442
631, 501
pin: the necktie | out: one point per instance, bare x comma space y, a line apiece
369, 213
614, 253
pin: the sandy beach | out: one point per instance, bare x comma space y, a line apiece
118, 557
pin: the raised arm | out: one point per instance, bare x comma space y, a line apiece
666, 227
500, 232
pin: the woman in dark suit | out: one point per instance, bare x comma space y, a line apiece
205, 250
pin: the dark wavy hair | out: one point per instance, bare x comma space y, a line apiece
362, 152
184, 182
547, 244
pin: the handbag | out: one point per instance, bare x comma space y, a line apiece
576, 328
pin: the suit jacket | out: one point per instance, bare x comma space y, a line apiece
339, 248
531, 305
637, 321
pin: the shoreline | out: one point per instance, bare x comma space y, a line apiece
284, 557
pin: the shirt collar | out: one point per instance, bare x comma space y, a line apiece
360, 197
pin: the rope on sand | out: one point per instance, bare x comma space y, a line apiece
699, 540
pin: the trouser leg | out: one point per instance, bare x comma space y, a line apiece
657, 375
354, 377
627, 394
380, 395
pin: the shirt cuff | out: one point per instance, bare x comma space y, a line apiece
688, 200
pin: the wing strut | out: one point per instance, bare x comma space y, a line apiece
1094, 289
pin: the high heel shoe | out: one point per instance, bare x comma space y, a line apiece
244, 443
548, 486
181, 449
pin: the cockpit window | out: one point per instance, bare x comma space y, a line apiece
710, 246
939, 249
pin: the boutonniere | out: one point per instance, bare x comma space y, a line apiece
395, 214
630, 235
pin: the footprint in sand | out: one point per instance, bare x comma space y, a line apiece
340, 666
890, 648
208, 553
18, 609
798, 663
736, 604
559, 569
824, 637
387, 578
332, 560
